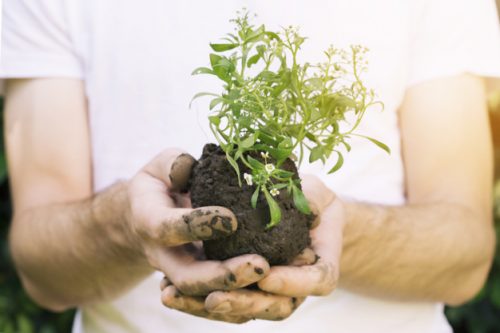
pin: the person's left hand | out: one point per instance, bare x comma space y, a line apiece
314, 272
320, 278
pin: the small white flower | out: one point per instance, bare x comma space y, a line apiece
274, 192
248, 178
264, 155
269, 167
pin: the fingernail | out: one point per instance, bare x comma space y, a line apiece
258, 270
223, 307
224, 224
180, 172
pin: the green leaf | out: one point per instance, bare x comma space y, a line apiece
214, 120
274, 209
202, 70
226, 64
285, 143
215, 102
272, 35
222, 67
267, 75
255, 35
338, 165
267, 139
311, 137
234, 94
345, 101
235, 167
214, 59
254, 163
279, 154
347, 146
284, 173
293, 129
223, 47
378, 143
253, 60
317, 153
238, 154
300, 200
245, 121
201, 94
315, 83
261, 49
279, 186
248, 142
255, 197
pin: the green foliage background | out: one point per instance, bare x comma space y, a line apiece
18, 314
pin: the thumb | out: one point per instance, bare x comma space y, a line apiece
173, 167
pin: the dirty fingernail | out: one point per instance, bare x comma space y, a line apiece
180, 172
223, 307
207, 224
258, 270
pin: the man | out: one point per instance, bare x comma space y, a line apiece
97, 89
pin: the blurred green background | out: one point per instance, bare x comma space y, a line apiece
18, 314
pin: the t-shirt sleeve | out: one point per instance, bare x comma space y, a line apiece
36, 40
451, 37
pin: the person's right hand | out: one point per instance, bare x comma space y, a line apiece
164, 227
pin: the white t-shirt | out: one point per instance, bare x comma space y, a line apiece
136, 59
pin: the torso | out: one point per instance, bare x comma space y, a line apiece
138, 61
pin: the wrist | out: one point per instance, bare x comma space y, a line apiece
111, 212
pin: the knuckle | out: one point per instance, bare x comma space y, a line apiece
228, 279
328, 279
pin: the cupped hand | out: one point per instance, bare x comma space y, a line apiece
165, 227
236, 306
315, 272
320, 278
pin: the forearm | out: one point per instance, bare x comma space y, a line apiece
75, 253
437, 252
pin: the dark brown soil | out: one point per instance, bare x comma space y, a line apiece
214, 183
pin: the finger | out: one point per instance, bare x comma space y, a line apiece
306, 257
180, 172
164, 283
198, 278
173, 299
319, 279
173, 167
182, 200
251, 304
315, 215
175, 226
